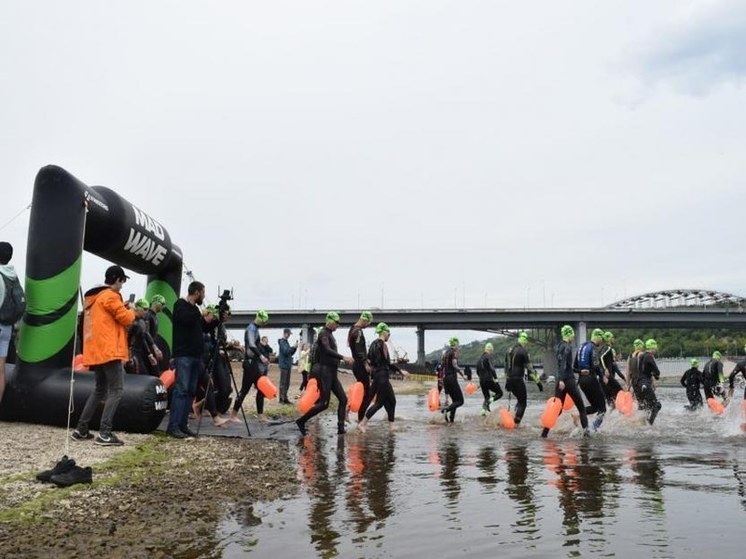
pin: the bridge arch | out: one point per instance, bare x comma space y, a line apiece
673, 298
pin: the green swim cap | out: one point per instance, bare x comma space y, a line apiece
213, 309
716, 355
367, 315
142, 304
157, 298
522, 338
332, 316
694, 362
453, 341
567, 332
597, 334
638, 344
262, 316
382, 327
608, 336
651, 344
489, 347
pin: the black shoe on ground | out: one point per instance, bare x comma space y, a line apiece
75, 475
188, 432
107, 439
301, 426
61, 467
177, 435
80, 435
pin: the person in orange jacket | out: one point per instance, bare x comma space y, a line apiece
105, 349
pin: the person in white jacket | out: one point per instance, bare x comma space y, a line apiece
6, 330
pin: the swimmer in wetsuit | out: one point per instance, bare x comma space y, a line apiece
567, 387
517, 362
450, 380
649, 371
488, 379
588, 366
691, 380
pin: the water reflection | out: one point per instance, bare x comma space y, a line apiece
520, 488
450, 458
487, 464
648, 474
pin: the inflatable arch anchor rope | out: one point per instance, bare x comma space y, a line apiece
115, 230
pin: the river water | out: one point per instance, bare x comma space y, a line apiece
472, 489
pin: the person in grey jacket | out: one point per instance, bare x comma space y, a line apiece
286, 363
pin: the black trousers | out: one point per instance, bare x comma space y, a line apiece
611, 389
490, 386
572, 390
649, 399
591, 387
328, 384
251, 376
517, 387
452, 389
383, 392
361, 375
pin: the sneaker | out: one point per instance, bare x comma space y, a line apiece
75, 475
61, 467
484, 412
107, 439
81, 435
188, 432
177, 435
301, 426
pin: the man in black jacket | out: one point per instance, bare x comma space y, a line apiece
326, 361
188, 346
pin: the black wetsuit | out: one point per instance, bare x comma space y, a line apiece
517, 361
488, 380
140, 344
356, 341
739, 368
326, 361
691, 380
251, 371
382, 391
633, 372
711, 374
451, 385
566, 375
648, 371
588, 366
609, 384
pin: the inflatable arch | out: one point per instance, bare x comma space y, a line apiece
37, 388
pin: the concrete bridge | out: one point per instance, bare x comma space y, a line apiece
670, 309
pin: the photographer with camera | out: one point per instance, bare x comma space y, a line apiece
188, 344
251, 366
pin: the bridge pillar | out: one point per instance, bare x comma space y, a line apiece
581, 333
420, 345
550, 357
307, 335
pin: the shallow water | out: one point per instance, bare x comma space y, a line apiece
472, 489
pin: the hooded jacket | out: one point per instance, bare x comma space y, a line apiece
105, 322
9, 272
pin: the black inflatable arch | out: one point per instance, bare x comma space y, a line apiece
59, 228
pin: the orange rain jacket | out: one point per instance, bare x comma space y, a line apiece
105, 322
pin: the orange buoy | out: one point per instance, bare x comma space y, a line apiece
433, 399
168, 378
265, 386
470, 388
568, 404
551, 412
309, 397
355, 395
78, 363
716, 407
623, 402
506, 420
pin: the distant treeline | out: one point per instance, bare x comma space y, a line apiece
678, 342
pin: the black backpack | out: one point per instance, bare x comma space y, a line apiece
14, 304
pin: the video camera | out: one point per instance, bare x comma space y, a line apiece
223, 306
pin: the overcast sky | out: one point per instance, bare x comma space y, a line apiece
404, 153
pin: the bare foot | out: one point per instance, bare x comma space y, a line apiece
234, 418
218, 421
392, 427
362, 426
261, 417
